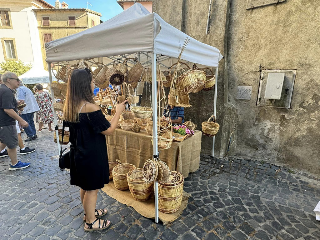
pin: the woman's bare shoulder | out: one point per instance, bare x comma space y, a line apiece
91, 107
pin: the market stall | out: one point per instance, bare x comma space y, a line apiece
136, 34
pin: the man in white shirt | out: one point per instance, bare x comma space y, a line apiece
26, 95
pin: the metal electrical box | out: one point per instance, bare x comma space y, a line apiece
276, 88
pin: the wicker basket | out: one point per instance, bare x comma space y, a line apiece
126, 125
170, 193
111, 167
136, 127
139, 188
59, 89
135, 73
119, 174
192, 81
114, 76
150, 171
178, 99
58, 106
190, 125
127, 115
142, 112
65, 137
163, 171
209, 84
165, 140
210, 127
100, 78
61, 73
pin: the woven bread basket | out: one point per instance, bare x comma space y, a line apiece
210, 127
140, 189
170, 193
142, 112
119, 174
190, 125
111, 167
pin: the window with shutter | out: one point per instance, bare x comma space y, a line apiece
4, 18
47, 37
45, 21
72, 20
9, 49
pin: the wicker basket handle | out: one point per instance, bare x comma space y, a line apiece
180, 63
212, 119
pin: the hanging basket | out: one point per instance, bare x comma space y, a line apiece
178, 99
135, 74
119, 173
170, 193
192, 81
101, 81
140, 189
210, 127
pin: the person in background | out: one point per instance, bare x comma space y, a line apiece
176, 114
26, 96
45, 114
8, 118
89, 168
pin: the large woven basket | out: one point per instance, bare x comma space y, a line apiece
139, 188
111, 167
210, 127
170, 193
135, 74
100, 78
163, 171
142, 112
119, 174
150, 170
192, 81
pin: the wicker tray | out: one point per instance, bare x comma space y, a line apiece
140, 189
119, 174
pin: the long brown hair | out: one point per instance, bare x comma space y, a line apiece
78, 90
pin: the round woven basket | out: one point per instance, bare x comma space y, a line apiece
119, 174
170, 193
140, 189
210, 127
111, 167
136, 127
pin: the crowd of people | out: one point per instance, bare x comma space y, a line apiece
18, 105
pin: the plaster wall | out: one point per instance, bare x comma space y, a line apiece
282, 36
277, 37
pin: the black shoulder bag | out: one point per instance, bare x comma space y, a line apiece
64, 157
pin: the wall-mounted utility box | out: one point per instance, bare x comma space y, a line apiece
260, 3
276, 88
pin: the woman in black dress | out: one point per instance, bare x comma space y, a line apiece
88, 151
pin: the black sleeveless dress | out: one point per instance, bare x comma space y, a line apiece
88, 151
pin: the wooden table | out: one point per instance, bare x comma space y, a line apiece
136, 148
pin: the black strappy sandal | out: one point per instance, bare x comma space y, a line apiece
105, 225
97, 213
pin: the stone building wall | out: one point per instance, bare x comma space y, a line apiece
281, 37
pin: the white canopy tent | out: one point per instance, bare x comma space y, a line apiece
135, 31
36, 75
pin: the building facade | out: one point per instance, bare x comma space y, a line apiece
61, 22
125, 4
18, 30
268, 100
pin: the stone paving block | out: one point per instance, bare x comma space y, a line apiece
188, 236
238, 235
37, 231
262, 235
134, 231
52, 231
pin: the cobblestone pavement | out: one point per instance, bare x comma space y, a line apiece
230, 199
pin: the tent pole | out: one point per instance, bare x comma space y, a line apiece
215, 107
155, 129
55, 119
